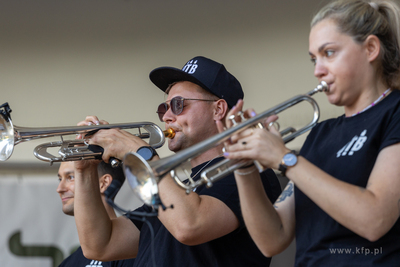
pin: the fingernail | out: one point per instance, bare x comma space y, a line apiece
90, 123
253, 114
233, 107
97, 122
226, 154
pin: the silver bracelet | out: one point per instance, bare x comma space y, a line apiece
254, 168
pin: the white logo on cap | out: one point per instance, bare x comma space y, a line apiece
190, 67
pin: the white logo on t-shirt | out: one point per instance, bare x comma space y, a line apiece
190, 67
94, 263
354, 145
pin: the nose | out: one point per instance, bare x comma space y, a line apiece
320, 69
61, 187
169, 116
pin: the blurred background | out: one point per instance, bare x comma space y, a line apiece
63, 60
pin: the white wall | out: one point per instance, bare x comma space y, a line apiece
63, 60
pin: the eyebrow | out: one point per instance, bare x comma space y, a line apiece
66, 173
320, 48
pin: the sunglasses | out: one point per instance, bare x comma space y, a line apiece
176, 104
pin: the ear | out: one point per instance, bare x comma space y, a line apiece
220, 109
373, 47
105, 182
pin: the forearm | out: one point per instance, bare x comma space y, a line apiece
92, 221
272, 232
356, 208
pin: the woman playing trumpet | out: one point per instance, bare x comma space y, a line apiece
342, 203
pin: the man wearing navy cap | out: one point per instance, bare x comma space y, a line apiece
204, 228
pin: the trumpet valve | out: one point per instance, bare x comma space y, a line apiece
232, 119
241, 115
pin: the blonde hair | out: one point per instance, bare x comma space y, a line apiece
360, 19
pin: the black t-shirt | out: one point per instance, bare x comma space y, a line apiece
347, 149
77, 259
234, 249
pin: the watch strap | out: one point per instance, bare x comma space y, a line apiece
153, 151
282, 168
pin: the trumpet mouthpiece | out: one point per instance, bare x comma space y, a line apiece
169, 133
323, 87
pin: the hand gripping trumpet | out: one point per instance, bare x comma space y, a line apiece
70, 150
143, 176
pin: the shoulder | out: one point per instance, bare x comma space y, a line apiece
389, 107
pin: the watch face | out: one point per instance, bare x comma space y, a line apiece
290, 159
145, 152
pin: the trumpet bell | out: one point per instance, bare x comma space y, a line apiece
140, 178
6, 138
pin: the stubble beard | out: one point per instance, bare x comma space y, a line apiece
178, 143
68, 209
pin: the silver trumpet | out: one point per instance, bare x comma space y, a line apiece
71, 150
143, 176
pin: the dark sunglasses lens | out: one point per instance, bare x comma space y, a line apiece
162, 108
177, 105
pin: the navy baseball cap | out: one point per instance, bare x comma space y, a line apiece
208, 74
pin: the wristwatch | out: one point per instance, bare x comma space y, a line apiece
147, 152
289, 160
